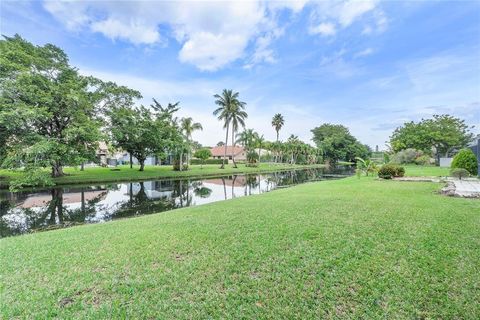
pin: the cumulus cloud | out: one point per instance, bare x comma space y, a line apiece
328, 17
211, 34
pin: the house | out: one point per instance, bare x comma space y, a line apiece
238, 152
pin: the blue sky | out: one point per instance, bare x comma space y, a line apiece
369, 65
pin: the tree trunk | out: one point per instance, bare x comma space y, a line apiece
225, 153
131, 159
277, 135
233, 148
57, 169
142, 164
82, 166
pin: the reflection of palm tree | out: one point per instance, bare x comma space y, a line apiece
233, 186
224, 188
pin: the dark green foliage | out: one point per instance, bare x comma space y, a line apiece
466, 159
208, 161
337, 143
459, 173
50, 114
442, 132
389, 171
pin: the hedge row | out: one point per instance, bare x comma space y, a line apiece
208, 161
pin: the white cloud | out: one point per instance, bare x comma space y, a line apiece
211, 34
352, 10
329, 17
324, 29
364, 53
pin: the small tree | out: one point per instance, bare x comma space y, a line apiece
466, 159
459, 173
202, 154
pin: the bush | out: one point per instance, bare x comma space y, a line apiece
466, 159
389, 171
406, 156
208, 161
423, 160
459, 173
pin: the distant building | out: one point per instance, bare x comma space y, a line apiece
219, 151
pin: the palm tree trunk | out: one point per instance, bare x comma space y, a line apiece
225, 153
233, 148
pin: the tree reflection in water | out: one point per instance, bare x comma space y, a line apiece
30, 211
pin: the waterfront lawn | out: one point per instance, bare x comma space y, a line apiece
351, 248
124, 173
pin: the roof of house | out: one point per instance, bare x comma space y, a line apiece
220, 151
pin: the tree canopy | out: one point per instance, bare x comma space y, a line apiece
337, 143
50, 114
442, 133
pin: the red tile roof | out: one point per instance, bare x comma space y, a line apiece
220, 151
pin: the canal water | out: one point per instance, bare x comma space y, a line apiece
32, 211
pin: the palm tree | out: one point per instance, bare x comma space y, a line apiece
260, 142
237, 116
227, 102
278, 122
188, 127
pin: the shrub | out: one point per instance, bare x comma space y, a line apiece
389, 171
423, 160
466, 159
459, 173
406, 156
208, 161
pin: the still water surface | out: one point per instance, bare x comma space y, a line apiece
24, 212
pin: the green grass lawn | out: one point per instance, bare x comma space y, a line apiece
351, 248
124, 173
426, 171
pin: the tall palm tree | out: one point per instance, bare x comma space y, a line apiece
228, 104
237, 116
188, 127
278, 122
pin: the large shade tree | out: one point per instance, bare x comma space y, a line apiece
50, 114
337, 143
441, 133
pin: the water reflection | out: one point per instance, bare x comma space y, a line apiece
30, 211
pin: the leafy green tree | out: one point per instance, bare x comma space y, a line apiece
202, 154
50, 115
142, 132
337, 143
443, 133
277, 123
228, 103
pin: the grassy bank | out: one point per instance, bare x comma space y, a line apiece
351, 248
124, 173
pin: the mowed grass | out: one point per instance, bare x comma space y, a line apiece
351, 248
125, 173
426, 171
